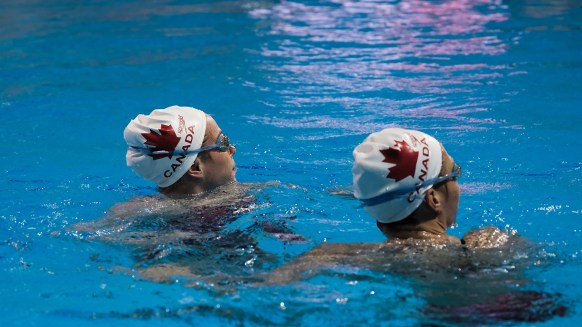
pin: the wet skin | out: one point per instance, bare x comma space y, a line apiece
218, 167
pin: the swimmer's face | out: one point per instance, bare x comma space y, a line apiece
452, 192
218, 167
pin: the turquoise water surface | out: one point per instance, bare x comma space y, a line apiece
296, 85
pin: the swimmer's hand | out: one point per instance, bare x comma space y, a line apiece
343, 192
485, 238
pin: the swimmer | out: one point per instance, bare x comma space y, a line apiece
407, 182
187, 155
180, 149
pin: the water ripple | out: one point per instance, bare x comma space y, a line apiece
405, 59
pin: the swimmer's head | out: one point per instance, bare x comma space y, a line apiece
162, 145
392, 171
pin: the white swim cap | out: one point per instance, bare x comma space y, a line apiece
158, 143
389, 167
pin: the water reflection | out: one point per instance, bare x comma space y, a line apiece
414, 58
548, 8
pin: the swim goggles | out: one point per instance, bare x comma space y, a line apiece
413, 191
222, 144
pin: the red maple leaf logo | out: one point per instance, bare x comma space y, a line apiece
404, 157
165, 141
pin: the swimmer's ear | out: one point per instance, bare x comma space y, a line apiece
433, 200
195, 170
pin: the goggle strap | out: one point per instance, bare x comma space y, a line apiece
388, 196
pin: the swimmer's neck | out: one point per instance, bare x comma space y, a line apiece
431, 229
181, 190
185, 190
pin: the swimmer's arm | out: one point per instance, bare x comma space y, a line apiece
118, 211
485, 238
346, 192
318, 259
129, 208
303, 267
166, 273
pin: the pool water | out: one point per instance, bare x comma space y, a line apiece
296, 85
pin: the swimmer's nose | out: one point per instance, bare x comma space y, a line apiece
232, 150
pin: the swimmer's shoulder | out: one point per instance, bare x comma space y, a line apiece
130, 206
486, 237
359, 252
423, 238
392, 245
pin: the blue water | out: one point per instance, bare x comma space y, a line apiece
296, 85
